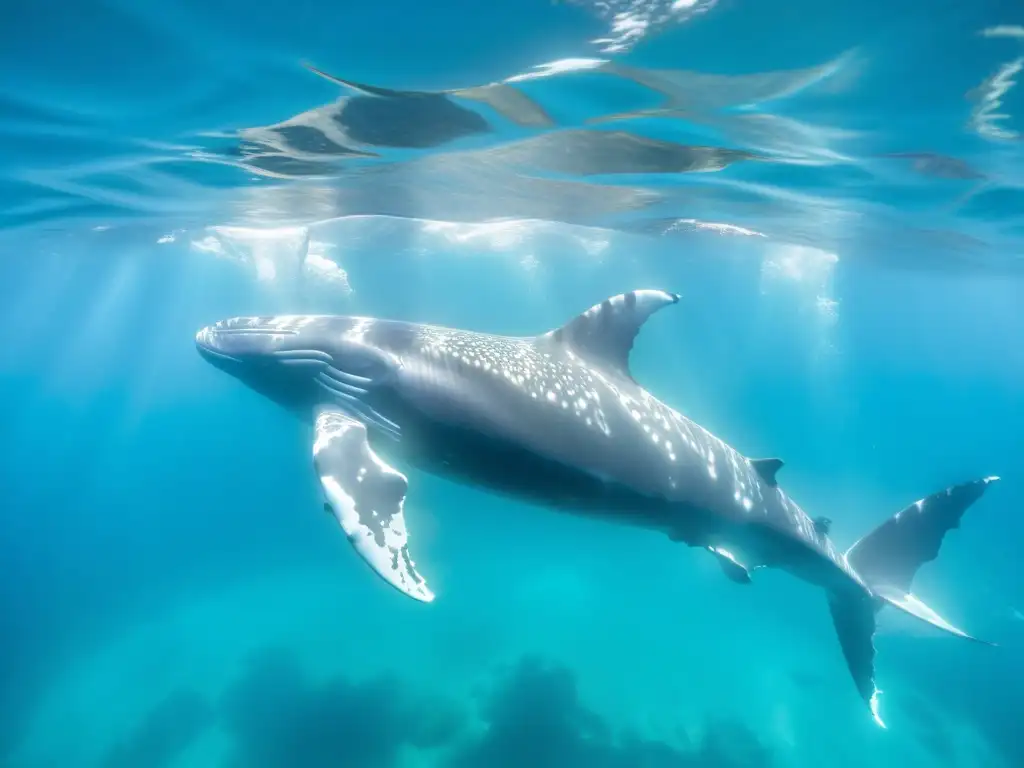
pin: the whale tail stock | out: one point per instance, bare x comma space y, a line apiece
886, 560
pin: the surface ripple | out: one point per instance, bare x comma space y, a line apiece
856, 151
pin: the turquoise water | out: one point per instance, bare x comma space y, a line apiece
834, 189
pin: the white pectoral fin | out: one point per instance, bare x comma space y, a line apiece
367, 497
731, 567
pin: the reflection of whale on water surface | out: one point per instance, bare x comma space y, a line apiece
371, 118
580, 152
374, 117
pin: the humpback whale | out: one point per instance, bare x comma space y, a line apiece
558, 420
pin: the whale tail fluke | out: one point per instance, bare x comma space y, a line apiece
853, 615
891, 554
887, 559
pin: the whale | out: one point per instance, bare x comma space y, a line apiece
558, 420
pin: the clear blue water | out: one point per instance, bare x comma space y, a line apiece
835, 190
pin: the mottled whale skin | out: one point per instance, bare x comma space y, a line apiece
558, 420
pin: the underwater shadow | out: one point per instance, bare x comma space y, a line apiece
533, 718
278, 718
169, 729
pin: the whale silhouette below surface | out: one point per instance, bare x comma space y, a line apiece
558, 420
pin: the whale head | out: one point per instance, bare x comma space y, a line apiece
303, 361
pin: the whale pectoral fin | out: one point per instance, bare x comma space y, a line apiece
605, 332
367, 497
731, 567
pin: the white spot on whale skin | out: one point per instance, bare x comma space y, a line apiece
551, 396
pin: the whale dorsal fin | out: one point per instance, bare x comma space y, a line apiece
767, 469
605, 332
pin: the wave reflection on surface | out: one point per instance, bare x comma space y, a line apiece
592, 142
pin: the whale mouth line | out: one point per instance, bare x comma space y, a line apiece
214, 354
254, 332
